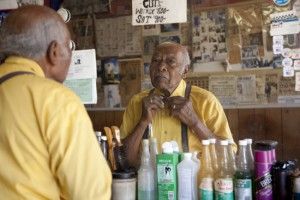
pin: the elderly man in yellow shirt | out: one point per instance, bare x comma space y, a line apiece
48, 149
177, 111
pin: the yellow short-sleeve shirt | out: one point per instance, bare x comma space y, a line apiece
167, 128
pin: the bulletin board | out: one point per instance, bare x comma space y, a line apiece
229, 42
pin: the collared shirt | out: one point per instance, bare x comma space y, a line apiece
48, 149
167, 128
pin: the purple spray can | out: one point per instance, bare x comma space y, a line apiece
264, 157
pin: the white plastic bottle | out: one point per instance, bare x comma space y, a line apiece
187, 178
146, 181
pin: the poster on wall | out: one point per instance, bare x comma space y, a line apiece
246, 89
82, 75
146, 12
225, 88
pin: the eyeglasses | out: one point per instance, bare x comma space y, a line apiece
72, 45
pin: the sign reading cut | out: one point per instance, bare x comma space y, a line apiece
146, 12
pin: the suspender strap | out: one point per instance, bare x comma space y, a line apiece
184, 128
10, 75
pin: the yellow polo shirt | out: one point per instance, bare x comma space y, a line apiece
48, 149
167, 128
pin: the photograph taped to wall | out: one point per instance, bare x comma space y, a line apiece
291, 41
172, 38
244, 29
246, 89
167, 28
209, 36
185, 31
261, 96
250, 58
151, 30
271, 87
150, 43
286, 86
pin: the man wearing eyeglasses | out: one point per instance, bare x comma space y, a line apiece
176, 110
48, 149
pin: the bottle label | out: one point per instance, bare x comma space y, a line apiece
185, 183
243, 189
264, 182
206, 189
224, 189
165, 173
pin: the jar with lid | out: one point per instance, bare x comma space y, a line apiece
124, 186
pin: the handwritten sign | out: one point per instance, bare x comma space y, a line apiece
158, 11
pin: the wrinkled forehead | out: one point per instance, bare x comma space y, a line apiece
170, 51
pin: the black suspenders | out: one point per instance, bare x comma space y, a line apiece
184, 128
10, 75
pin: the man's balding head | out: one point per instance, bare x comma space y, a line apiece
30, 32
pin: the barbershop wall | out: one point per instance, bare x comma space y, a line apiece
233, 46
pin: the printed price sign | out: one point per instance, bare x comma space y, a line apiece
158, 11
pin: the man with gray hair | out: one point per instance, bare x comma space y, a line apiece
175, 110
48, 149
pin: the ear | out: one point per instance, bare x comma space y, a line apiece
53, 53
186, 69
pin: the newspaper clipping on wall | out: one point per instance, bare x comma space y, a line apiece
225, 88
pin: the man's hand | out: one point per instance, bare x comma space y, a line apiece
150, 104
182, 108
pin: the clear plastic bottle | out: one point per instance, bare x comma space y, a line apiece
146, 181
153, 153
242, 177
206, 174
223, 183
187, 178
104, 146
249, 154
98, 136
231, 157
213, 154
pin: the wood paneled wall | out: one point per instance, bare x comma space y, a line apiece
280, 124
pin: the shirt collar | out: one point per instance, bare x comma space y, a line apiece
16, 63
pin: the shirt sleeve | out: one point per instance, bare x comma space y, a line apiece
215, 118
76, 159
131, 116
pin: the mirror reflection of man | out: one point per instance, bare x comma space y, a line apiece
48, 149
170, 109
